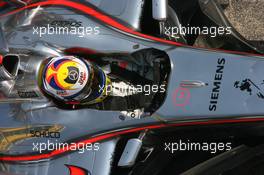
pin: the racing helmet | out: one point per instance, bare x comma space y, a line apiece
71, 79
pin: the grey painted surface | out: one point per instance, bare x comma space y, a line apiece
201, 65
187, 64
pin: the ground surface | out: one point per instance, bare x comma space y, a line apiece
247, 16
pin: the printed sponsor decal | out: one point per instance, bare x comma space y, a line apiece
44, 134
29, 94
248, 86
11, 136
181, 97
66, 23
215, 93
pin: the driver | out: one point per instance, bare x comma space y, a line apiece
74, 81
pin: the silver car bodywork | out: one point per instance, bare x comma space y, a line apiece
203, 85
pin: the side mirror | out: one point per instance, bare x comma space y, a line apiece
160, 9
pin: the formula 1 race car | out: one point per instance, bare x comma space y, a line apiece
100, 87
